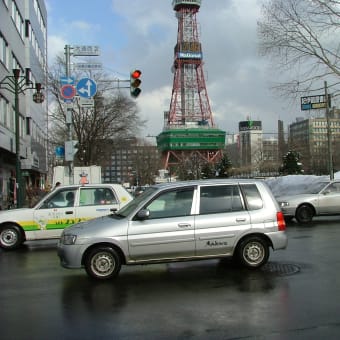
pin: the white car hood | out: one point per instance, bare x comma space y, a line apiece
99, 226
296, 198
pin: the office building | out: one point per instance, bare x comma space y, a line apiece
133, 162
309, 137
23, 46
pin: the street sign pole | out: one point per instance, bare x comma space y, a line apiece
69, 110
68, 59
329, 136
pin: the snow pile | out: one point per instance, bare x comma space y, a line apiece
294, 184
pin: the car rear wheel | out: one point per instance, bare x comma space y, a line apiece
253, 252
102, 263
304, 214
10, 236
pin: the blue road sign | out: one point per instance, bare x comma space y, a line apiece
86, 87
66, 80
60, 151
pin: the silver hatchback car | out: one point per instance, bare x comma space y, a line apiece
180, 221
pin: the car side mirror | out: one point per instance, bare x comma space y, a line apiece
143, 214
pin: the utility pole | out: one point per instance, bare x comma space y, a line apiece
329, 135
86, 90
69, 109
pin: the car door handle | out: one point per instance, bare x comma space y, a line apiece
70, 212
240, 219
184, 225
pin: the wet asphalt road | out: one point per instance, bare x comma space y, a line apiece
296, 296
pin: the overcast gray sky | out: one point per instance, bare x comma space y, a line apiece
142, 34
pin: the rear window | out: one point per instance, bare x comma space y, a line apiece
252, 196
96, 196
220, 199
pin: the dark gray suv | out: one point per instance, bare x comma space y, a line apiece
180, 221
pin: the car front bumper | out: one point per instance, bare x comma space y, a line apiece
70, 255
288, 211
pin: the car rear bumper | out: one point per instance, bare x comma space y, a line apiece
279, 239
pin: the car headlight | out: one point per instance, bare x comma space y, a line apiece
284, 204
68, 239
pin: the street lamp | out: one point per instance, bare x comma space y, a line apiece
17, 84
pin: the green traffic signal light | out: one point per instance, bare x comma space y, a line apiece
135, 83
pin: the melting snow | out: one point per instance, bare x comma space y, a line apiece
294, 184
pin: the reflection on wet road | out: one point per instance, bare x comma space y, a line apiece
294, 296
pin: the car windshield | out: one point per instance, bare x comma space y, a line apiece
132, 205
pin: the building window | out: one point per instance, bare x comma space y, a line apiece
17, 19
4, 51
4, 108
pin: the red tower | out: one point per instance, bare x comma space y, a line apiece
189, 128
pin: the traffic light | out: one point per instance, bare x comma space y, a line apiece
135, 83
71, 148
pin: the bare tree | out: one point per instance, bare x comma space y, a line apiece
145, 163
302, 37
114, 115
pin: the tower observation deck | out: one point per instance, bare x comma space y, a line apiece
189, 129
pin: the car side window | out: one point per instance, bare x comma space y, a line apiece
220, 199
96, 196
171, 204
61, 199
253, 197
333, 188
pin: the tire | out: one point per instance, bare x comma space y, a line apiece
304, 214
288, 219
11, 237
102, 263
253, 252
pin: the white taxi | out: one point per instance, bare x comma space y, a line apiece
59, 209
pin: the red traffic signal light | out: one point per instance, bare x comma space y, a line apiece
135, 83
136, 74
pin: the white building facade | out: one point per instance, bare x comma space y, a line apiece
23, 46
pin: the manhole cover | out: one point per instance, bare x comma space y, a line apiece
280, 268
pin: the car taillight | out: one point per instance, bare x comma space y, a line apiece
281, 223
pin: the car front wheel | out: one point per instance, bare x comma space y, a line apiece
304, 214
10, 237
102, 263
253, 252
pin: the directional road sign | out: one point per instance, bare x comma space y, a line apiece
86, 87
85, 50
66, 80
89, 66
313, 102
